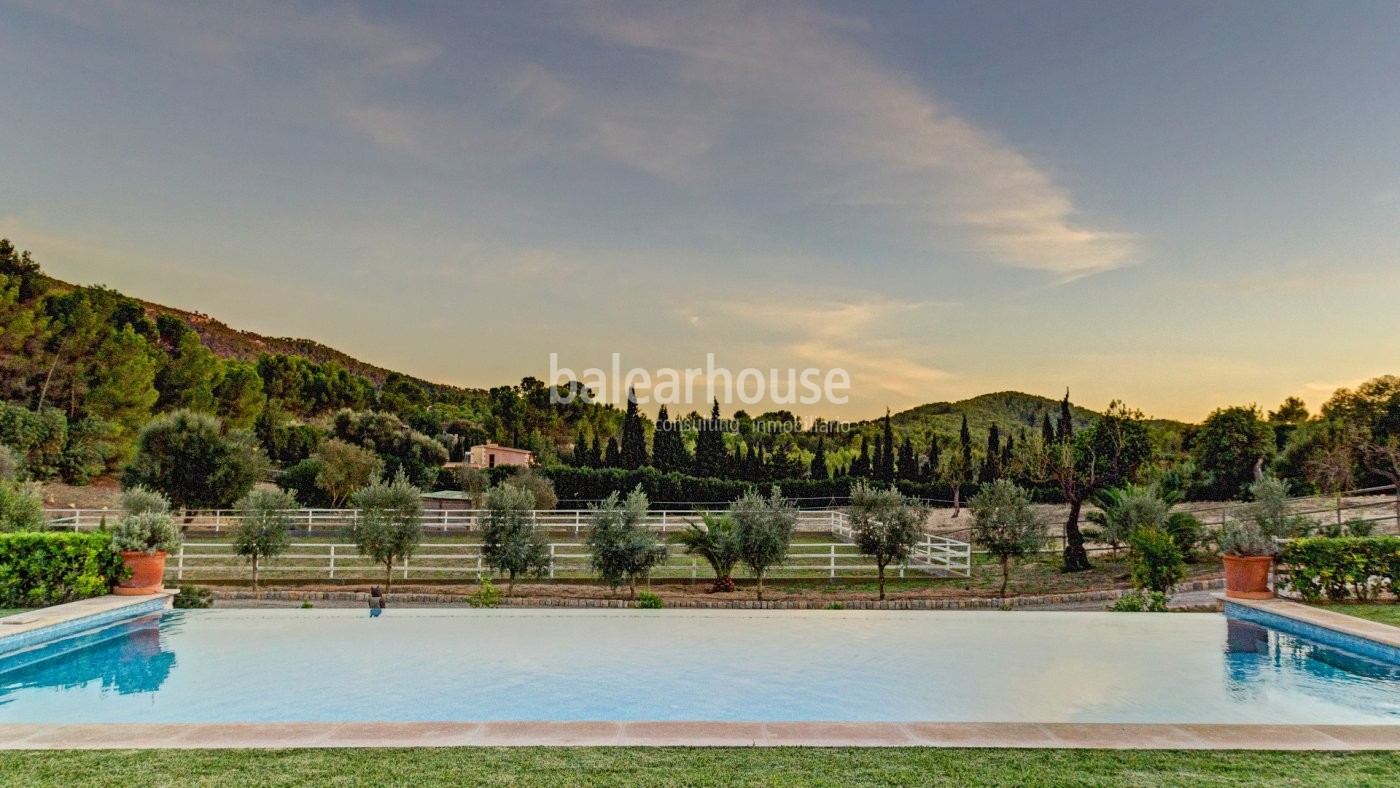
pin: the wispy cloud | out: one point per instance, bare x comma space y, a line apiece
842, 129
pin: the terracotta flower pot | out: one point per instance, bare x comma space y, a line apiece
1247, 576
147, 574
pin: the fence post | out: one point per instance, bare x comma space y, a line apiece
831, 574
551, 561
180, 563
332, 562
693, 570
405, 569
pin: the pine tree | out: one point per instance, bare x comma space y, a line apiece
634, 447
818, 470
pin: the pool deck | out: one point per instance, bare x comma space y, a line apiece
1325, 619
21, 630
701, 734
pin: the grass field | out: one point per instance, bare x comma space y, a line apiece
685, 766
1385, 614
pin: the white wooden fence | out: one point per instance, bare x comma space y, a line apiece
462, 560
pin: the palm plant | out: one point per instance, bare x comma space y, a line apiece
716, 541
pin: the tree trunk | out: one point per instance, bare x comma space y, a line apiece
957, 499
510, 584
388, 574
255, 572
760, 586
1076, 558
882, 582
1005, 575
632, 589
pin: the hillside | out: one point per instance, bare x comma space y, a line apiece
1011, 411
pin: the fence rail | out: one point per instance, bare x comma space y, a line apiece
442, 521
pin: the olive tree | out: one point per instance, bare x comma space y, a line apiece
765, 527
261, 533
716, 540
344, 468
622, 549
886, 525
188, 457
388, 525
1004, 525
510, 542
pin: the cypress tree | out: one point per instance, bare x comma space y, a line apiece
908, 463
668, 450
580, 450
877, 460
934, 460
1006, 454
1047, 430
710, 456
614, 455
991, 470
860, 466
634, 447
965, 438
1064, 431
818, 470
595, 453
887, 457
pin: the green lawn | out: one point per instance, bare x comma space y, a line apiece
684, 766
1385, 614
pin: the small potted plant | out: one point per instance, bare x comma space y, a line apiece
1248, 553
143, 540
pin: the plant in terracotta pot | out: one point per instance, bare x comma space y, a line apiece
143, 540
1248, 553
1250, 545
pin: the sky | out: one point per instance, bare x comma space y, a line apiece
1179, 205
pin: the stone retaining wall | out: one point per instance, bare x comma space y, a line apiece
935, 603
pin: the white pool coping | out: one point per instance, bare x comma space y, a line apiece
700, 734
22, 630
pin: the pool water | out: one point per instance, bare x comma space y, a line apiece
431, 665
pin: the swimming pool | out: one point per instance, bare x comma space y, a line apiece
441, 665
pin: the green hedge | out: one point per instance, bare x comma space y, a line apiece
1337, 568
38, 569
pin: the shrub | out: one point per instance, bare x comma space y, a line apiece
149, 533
717, 541
21, 508
142, 499
487, 595
649, 601
622, 550
1342, 567
40, 569
1186, 530
835, 606
10, 463
300, 480
510, 542
389, 524
1157, 563
194, 597
1245, 539
1140, 602
542, 488
261, 533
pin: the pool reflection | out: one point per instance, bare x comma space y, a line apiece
127, 658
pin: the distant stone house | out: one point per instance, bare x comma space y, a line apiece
489, 455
